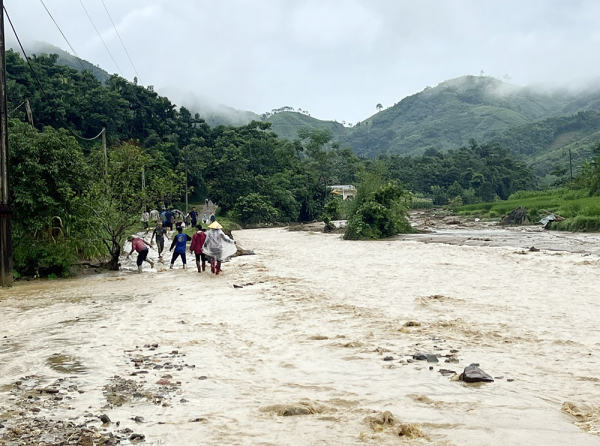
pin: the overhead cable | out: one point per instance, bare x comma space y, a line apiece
63, 34
99, 35
121, 40
42, 87
16, 108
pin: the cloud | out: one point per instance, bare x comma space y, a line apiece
335, 58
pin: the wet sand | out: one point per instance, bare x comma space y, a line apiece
308, 333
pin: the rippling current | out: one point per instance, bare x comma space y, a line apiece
295, 354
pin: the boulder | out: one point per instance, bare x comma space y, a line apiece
517, 216
473, 374
429, 357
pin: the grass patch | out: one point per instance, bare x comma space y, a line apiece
581, 212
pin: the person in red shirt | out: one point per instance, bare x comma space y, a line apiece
141, 246
196, 247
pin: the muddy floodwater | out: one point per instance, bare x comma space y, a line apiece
314, 345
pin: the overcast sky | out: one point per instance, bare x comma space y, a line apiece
335, 58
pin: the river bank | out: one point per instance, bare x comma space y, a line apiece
306, 333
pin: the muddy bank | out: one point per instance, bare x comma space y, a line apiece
441, 227
322, 343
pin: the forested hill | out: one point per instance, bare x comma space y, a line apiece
541, 125
545, 144
449, 115
64, 58
286, 124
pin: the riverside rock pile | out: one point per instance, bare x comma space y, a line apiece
30, 417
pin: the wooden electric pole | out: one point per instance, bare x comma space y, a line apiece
104, 150
6, 273
571, 164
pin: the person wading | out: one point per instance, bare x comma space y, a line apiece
160, 234
196, 247
218, 247
179, 242
141, 246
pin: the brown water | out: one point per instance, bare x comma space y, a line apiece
311, 333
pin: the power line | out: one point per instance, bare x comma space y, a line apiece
97, 32
119, 36
63, 34
16, 108
42, 87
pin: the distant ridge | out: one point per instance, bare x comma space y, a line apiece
539, 124
64, 58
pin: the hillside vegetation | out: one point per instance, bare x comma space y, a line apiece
545, 144
66, 59
286, 124
539, 125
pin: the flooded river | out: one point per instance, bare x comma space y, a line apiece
296, 355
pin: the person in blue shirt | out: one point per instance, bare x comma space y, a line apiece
179, 243
193, 217
168, 222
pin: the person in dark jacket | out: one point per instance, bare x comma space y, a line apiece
196, 247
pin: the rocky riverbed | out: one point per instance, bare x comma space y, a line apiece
314, 340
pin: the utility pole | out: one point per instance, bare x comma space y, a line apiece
186, 191
105, 151
571, 165
6, 263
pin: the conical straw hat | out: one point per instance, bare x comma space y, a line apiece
215, 225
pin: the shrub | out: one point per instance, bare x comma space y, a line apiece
380, 214
255, 208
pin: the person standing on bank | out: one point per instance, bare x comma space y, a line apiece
160, 234
144, 219
141, 246
196, 247
179, 243
193, 216
218, 247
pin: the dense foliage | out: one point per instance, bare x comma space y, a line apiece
474, 173
379, 211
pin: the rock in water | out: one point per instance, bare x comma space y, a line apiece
104, 419
429, 357
473, 374
517, 217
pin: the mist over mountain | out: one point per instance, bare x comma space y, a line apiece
64, 58
540, 122
449, 115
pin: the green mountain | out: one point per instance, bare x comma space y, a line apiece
449, 115
287, 123
64, 58
539, 124
545, 144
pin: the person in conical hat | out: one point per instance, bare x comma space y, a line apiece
218, 246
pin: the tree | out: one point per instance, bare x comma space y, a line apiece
255, 208
116, 200
48, 176
380, 207
379, 107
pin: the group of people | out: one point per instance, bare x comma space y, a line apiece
173, 217
213, 246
